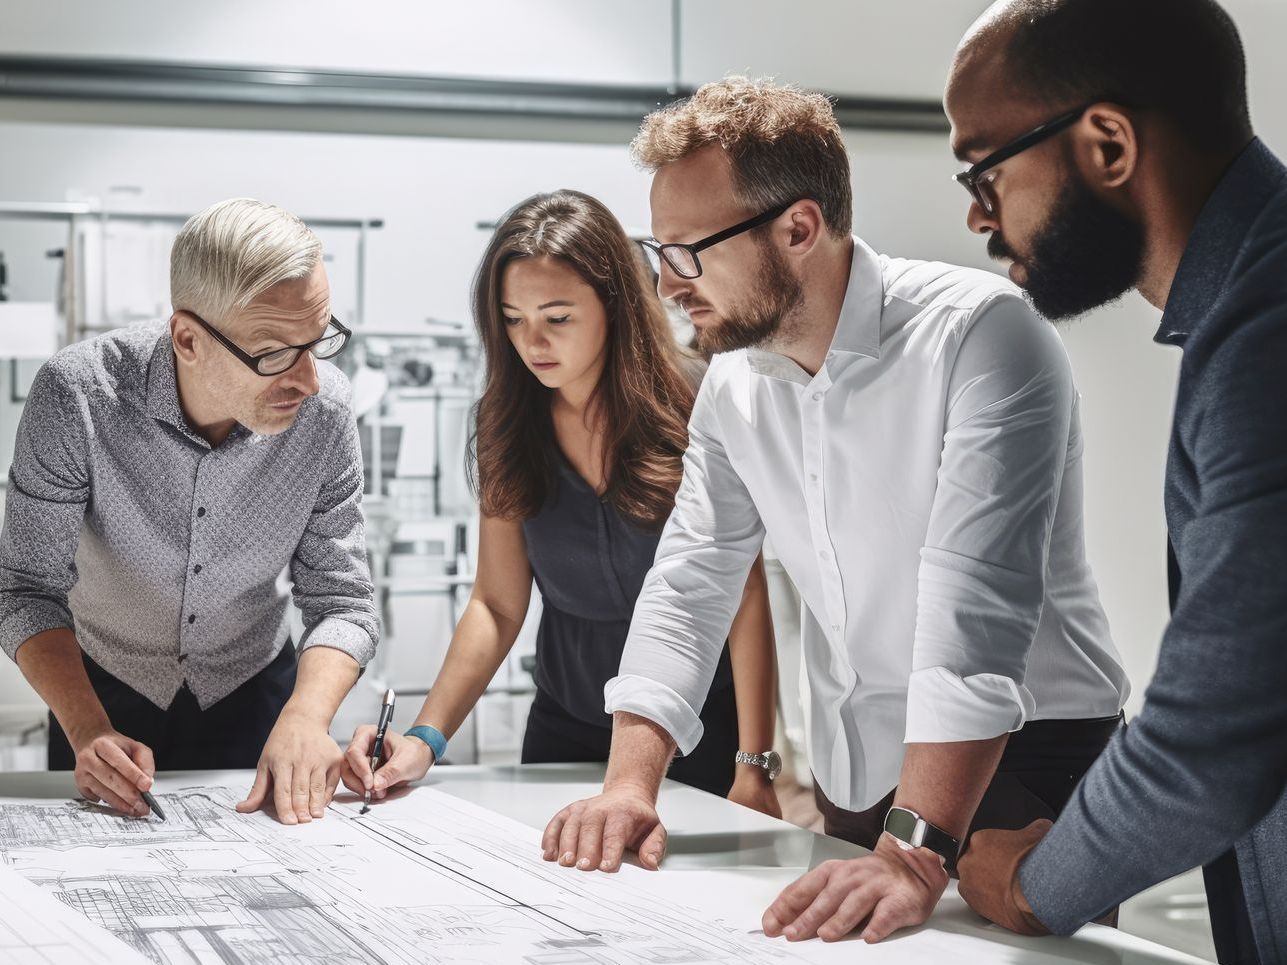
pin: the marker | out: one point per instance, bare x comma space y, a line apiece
151, 802
386, 715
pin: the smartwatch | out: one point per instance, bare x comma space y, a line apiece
911, 831
769, 760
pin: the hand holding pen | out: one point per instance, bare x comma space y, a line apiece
406, 760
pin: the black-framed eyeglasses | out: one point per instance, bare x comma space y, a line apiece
280, 360
683, 260
980, 188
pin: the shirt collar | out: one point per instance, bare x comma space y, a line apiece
163, 385
1217, 240
858, 328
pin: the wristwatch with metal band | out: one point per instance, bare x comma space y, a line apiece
913, 831
769, 760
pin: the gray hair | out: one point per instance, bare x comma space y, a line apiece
234, 251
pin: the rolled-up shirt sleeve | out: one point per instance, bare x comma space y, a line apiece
981, 581
45, 506
332, 579
693, 590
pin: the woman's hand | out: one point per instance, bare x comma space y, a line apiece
406, 759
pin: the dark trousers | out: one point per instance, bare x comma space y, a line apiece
555, 736
1235, 942
229, 735
1041, 765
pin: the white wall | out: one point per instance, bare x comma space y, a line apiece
587, 41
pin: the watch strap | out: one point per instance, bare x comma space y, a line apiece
914, 831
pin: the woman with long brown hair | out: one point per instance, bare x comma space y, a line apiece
579, 441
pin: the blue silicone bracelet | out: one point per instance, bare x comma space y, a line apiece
431, 736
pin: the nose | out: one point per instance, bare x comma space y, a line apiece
979, 221
538, 337
670, 284
302, 376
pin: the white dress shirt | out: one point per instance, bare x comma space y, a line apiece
924, 492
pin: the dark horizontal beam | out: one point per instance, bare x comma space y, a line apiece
154, 82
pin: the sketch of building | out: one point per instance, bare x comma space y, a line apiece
194, 814
431, 879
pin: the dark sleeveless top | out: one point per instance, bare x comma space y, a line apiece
589, 562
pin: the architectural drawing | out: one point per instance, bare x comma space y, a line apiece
37, 930
428, 878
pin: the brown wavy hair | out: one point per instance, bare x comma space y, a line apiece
783, 144
642, 401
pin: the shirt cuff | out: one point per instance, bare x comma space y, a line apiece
659, 704
340, 634
30, 620
943, 706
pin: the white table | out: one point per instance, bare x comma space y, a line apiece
706, 832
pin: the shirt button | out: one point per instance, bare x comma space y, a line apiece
201, 510
835, 627
817, 397
824, 555
192, 618
813, 477
197, 568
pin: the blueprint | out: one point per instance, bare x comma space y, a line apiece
426, 878
35, 929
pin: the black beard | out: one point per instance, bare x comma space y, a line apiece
1086, 254
757, 319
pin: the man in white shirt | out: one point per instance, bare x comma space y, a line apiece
907, 435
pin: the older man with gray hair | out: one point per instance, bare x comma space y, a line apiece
164, 479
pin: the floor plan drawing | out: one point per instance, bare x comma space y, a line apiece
427, 878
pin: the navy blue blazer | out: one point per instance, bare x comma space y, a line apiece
1203, 767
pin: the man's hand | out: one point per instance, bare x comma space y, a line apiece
113, 768
890, 889
755, 791
406, 759
594, 833
301, 764
989, 872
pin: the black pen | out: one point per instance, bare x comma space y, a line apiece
151, 802
386, 715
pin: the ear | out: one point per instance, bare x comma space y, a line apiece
183, 334
1107, 146
805, 227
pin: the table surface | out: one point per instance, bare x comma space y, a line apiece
704, 832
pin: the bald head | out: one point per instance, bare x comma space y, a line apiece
1179, 59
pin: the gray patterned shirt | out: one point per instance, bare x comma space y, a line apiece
169, 558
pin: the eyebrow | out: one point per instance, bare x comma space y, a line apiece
264, 332
541, 308
978, 144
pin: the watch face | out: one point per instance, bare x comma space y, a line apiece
775, 765
901, 824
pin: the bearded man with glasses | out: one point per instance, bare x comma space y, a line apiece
1157, 182
165, 478
906, 434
